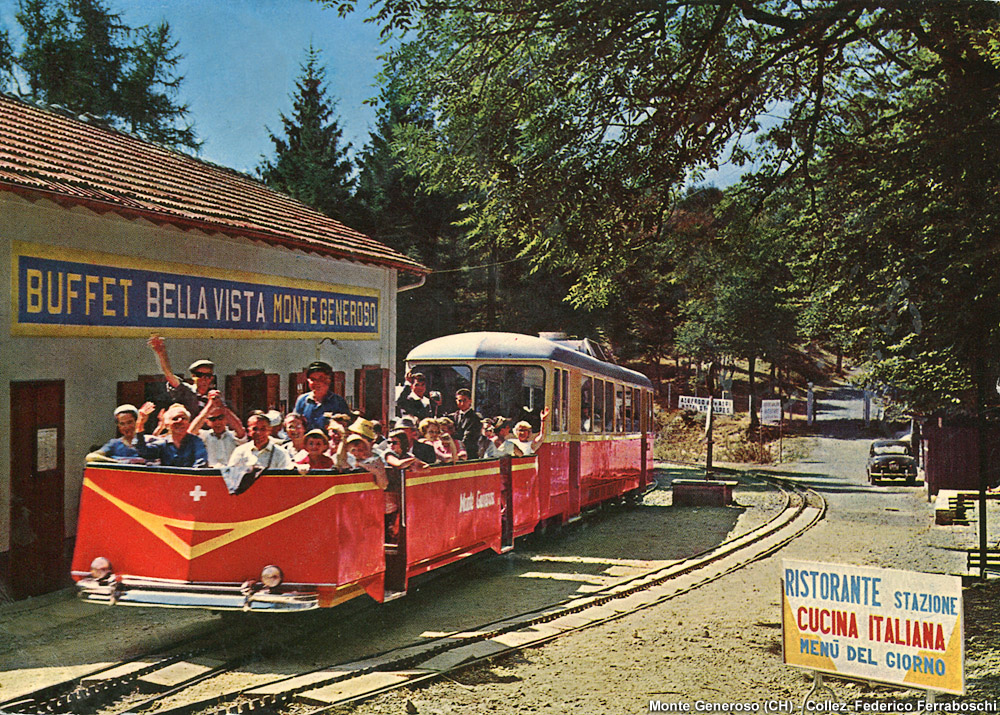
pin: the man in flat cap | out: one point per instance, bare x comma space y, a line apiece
314, 404
193, 395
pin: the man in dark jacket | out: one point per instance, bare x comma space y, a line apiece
468, 423
413, 400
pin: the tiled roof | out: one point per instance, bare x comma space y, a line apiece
43, 153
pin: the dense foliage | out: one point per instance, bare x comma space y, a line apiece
311, 159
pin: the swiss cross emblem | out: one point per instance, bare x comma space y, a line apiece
197, 493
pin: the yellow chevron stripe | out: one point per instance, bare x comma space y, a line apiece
449, 476
235, 530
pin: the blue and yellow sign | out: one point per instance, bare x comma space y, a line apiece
65, 292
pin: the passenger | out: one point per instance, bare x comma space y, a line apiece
524, 441
344, 419
487, 435
192, 395
399, 455
359, 456
436, 409
224, 434
424, 452
445, 449
315, 456
121, 447
364, 428
321, 399
413, 400
468, 423
380, 444
178, 448
295, 428
276, 420
448, 430
500, 446
336, 432
261, 450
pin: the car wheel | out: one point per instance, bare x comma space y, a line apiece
871, 480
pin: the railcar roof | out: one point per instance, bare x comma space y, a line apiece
512, 346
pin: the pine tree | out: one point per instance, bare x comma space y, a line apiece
148, 88
310, 162
80, 55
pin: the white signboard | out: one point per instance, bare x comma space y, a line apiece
47, 449
770, 412
899, 627
700, 404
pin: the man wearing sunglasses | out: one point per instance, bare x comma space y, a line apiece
224, 433
193, 395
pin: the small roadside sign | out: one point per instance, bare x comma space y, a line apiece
700, 404
898, 627
770, 412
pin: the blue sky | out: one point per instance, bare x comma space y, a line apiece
241, 58
241, 61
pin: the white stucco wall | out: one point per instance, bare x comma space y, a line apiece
92, 367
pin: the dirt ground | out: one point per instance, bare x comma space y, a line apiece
719, 644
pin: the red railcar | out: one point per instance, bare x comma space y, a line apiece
177, 537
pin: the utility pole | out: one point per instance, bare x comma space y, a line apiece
708, 438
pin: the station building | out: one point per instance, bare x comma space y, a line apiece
110, 239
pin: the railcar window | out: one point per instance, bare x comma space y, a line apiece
586, 411
514, 391
628, 409
619, 408
565, 401
446, 379
556, 399
609, 407
598, 405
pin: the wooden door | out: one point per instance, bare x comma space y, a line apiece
147, 388
371, 391
247, 391
296, 386
37, 474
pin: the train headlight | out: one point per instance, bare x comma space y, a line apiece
100, 568
271, 576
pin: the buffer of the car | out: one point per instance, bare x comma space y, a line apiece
134, 591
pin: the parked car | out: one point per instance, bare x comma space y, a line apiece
891, 459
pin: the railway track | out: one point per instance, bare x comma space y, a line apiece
324, 689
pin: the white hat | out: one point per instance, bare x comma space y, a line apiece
201, 363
